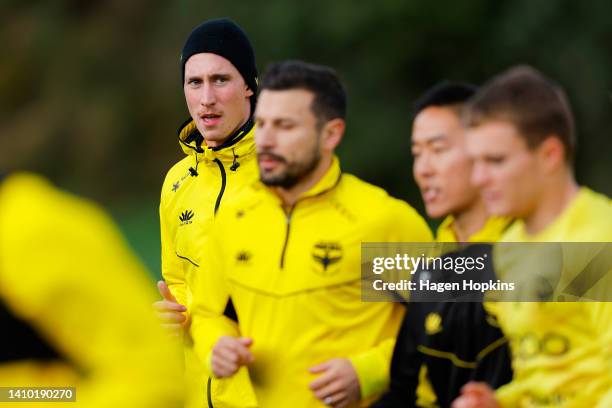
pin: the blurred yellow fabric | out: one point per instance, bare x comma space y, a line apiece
66, 273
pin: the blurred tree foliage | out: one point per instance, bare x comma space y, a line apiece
90, 90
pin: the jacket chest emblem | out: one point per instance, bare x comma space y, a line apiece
326, 254
433, 323
186, 217
243, 258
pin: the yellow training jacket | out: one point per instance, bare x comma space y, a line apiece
562, 352
75, 305
294, 279
193, 191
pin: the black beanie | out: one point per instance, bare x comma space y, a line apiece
225, 38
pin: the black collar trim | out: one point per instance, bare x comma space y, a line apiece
196, 136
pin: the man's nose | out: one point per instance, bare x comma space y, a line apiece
480, 174
208, 96
423, 166
264, 136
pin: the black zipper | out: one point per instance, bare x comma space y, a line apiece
290, 212
288, 219
223, 182
209, 393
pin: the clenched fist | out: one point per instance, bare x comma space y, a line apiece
229, 354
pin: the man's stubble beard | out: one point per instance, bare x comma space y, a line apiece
296, 171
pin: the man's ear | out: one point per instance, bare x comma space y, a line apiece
332, 132
249, 93
552, 153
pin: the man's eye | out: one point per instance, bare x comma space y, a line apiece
193, 82
286, 125
220, 80
439, 149
496, 159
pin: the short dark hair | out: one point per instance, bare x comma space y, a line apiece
445, 94
523, 96
329, 93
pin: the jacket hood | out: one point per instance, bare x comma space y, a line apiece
240, 144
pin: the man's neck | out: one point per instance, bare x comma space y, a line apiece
556, 196
470, 220
289, 196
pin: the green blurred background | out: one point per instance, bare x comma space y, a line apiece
90, 90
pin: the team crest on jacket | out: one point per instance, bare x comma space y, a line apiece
433, 323
326, 254
186, 217
243, 257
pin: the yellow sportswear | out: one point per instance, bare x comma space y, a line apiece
193, 191
491, 231
562, 352
294, 278
75, 304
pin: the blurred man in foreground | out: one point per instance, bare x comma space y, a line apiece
294, 271
74, 304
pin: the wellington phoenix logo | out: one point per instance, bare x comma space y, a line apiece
326, 254
243, 257
186, 217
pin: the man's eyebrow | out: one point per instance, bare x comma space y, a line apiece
189, 77
437, 138
221, 75
433, 139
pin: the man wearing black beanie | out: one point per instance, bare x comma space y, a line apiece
220, 84
224, 38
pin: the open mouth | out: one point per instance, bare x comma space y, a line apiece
430, 194
210, 119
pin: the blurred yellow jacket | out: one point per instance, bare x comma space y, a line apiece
193, 191
295, 280
75, 304
562, 351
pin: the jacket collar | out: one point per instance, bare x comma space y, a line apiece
491, 231
327, 182
239, 145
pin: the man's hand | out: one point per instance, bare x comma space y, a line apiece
476, 395
338, 385
170, 312
229, 354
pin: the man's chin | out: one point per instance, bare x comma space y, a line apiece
271, 181
435, 212
277, 180
498, 209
